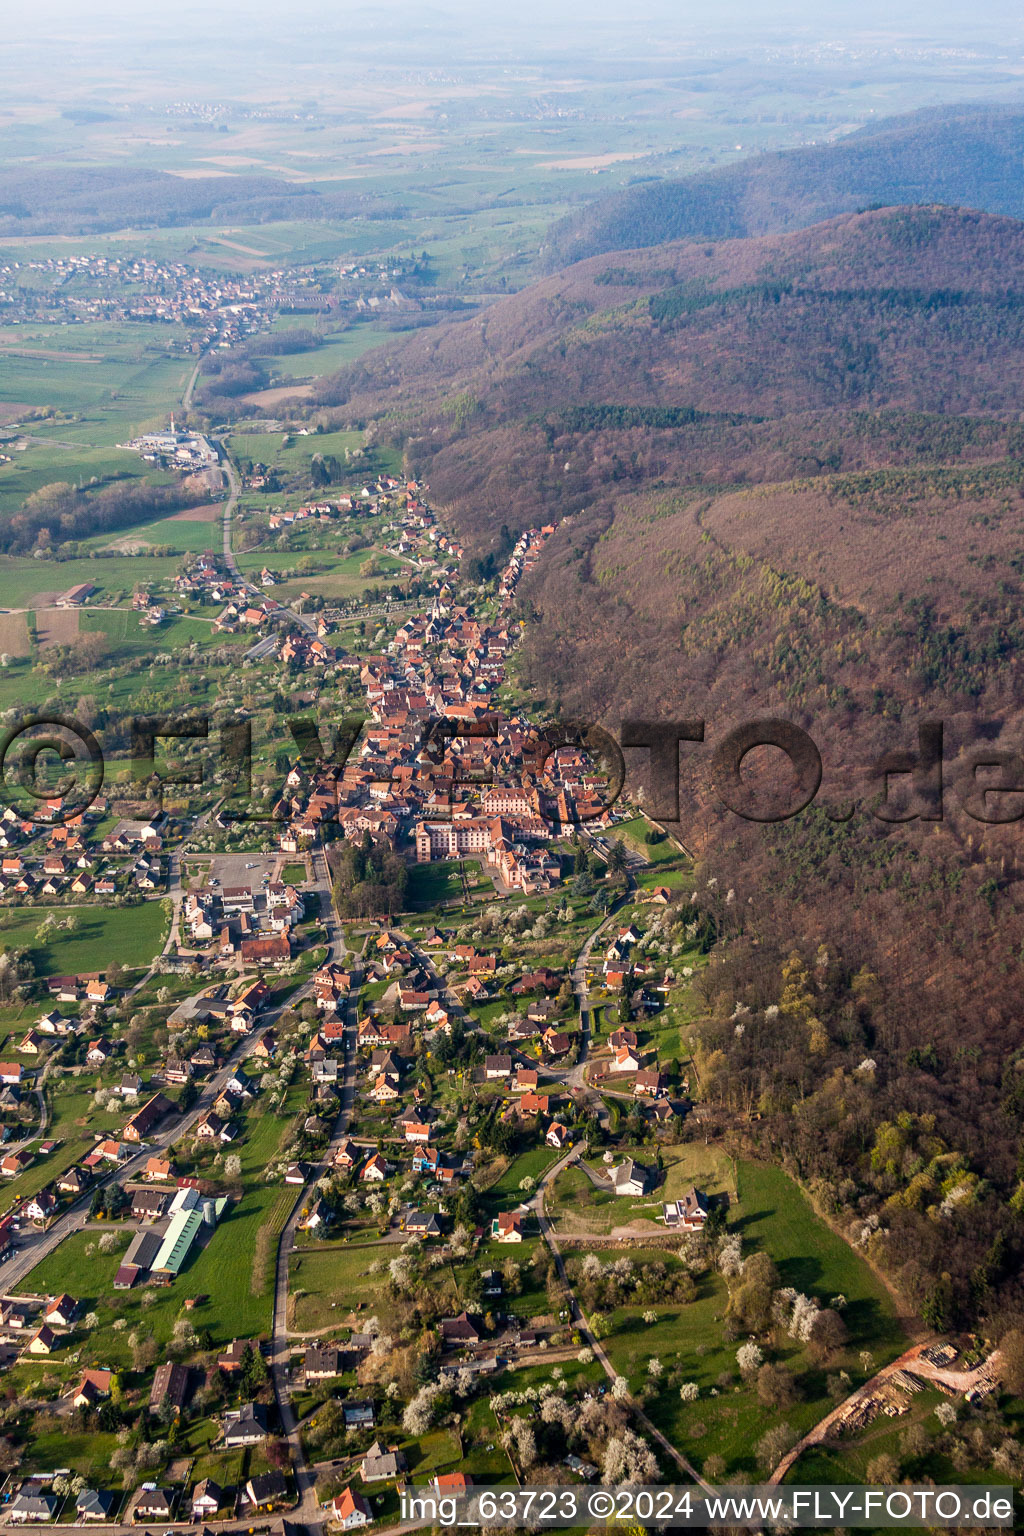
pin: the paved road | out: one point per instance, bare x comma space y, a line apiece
175, 893
575, 1077
36, 1131
234, 491
307, 1507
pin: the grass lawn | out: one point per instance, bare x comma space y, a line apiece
576, 1206
727, 1419
505, 1193
532, 1300
127, 638
633, 832
430, 884
15, 1019
337, 352
72, 1111
660, 1033
268, 447
129, 935
328, 1283
436, 1451
225, 1467
88, 1453
775, 1215
483, 1458
43, 1172
660, 874
724, 1420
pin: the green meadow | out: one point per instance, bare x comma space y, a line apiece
130, 935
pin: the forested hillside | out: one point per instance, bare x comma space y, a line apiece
965, 156
697, 364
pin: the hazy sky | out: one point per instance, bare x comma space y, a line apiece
545, 23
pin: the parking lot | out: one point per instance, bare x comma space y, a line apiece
234, 869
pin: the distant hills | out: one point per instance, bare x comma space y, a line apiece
85, 200
964, 156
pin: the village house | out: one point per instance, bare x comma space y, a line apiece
42, 1206
460, 1331
507, 1227
347, 1509
144, 1119
74, 1182
43, 1341
232, 1358
171, 1385
32, 1506
245, 1426
266, 1490
632, 1178
380, 1463
650, 1084
414, 1128
153, 1504
207, 1498
93, 1386
61, 1311
690, 1212
94, 1504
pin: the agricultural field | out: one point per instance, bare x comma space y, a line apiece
336, 352
82, 391
29, 583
